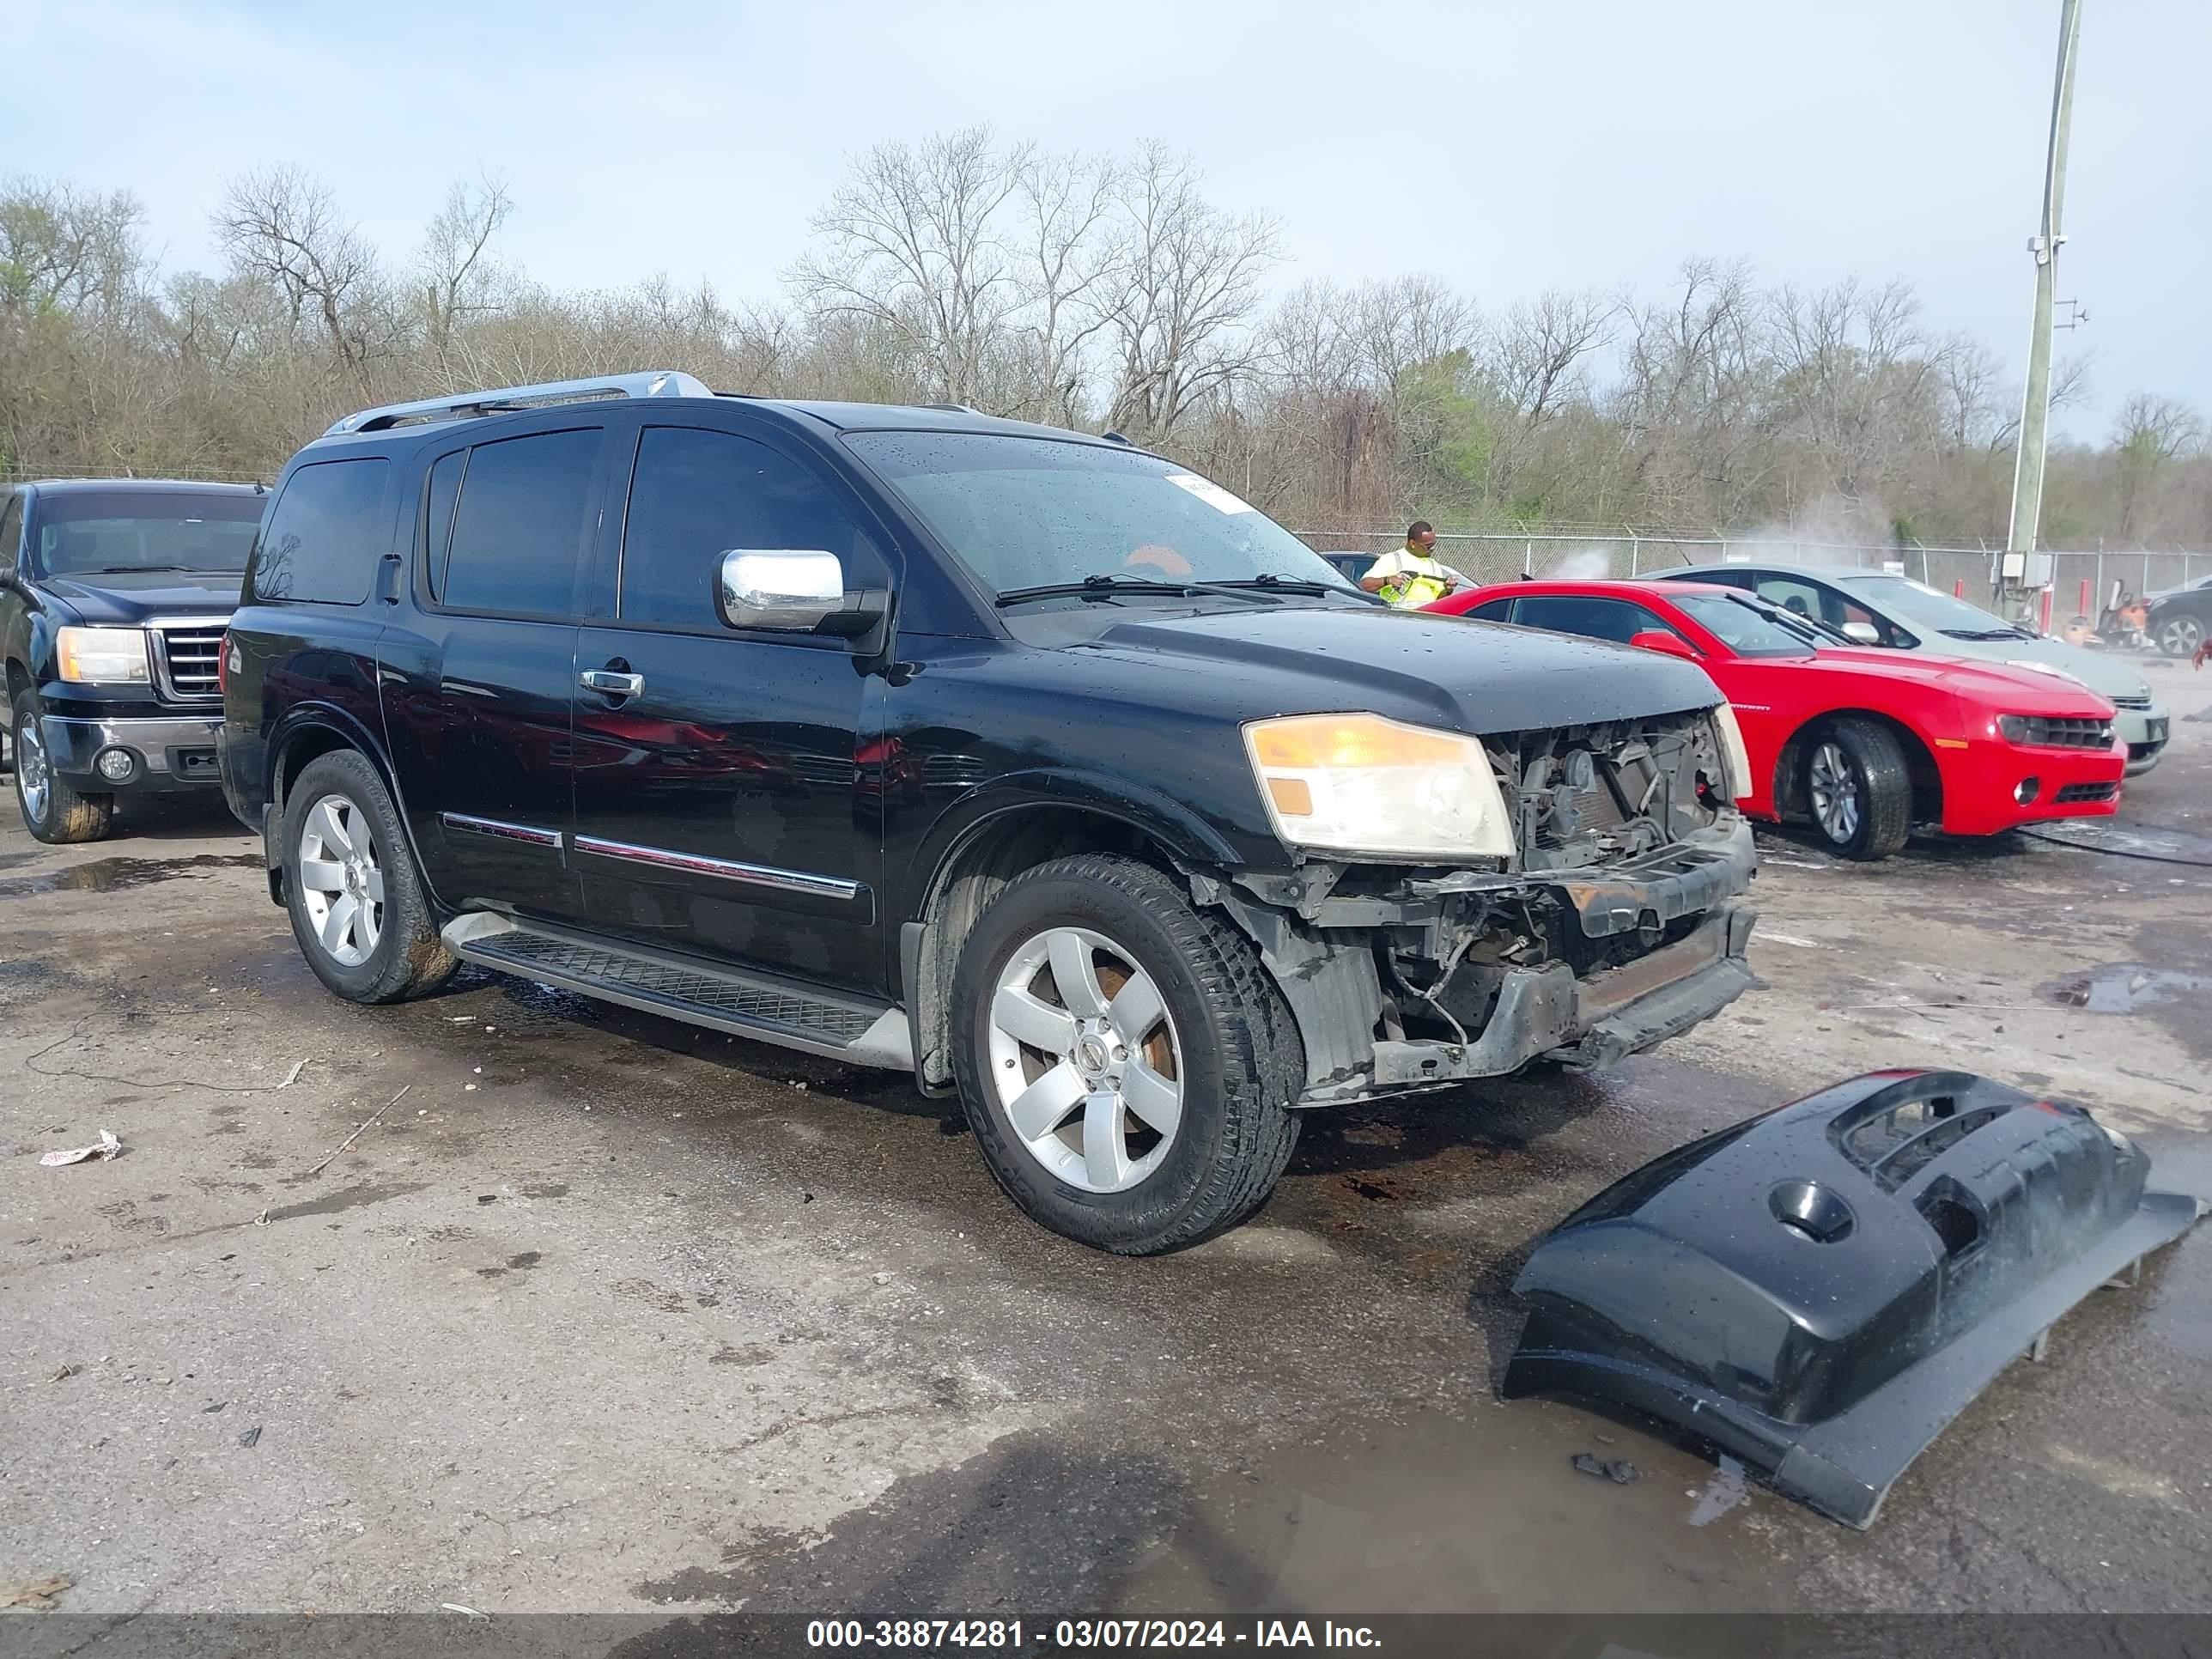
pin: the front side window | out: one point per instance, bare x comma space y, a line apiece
98, 533
325, 534
697, 494
1592, 617
518, 524
1922, 606
1022, 513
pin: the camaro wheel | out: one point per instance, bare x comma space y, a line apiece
1125, 1062
357, 902
52, 812
1858, 789
2179, 636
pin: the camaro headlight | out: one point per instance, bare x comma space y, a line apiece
1367, 787
1738, 757
102, 656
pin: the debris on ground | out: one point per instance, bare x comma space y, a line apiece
37, 1594
1620, 1470
67, 1372
455, 1606
106, 1146
293, 1076
251, 1437
356, 1135
217, 1407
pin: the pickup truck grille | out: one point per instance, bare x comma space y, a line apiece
188, 657
2054, 731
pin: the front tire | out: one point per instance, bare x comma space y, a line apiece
2179, 636
1859, 789
1125, 1062
355, 899
52, 812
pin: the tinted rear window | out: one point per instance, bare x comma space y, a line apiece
325, 534
520, 525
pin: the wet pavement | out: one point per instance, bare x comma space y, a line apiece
606, 1312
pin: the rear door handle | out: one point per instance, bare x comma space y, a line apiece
606, 680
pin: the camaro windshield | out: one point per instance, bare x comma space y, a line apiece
1903, 597
1748, 628
127, 532
1032, 513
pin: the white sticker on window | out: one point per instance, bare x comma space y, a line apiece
1211, 493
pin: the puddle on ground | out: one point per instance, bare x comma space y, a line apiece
2153, 842
112, 875
2125, 988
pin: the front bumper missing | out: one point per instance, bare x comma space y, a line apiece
1820, 1290
1319, 947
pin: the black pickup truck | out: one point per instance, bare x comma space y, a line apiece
1028, 762
113, 596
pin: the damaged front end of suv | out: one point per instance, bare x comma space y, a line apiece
1606, 916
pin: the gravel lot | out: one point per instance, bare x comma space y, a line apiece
605, 1313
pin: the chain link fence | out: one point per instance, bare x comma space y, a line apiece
2082, 580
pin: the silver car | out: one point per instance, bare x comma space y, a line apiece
1875, 608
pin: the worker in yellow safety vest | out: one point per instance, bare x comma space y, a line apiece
1411, 577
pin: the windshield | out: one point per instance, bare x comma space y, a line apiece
1918, 603
115, 532
1034, 513
1749, 627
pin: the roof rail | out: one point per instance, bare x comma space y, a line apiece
466, 405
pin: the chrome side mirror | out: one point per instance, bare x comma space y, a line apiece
792, 589
1864, 632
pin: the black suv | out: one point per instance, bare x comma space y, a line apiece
113, 596
1026, 761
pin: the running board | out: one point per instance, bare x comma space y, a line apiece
763, 1006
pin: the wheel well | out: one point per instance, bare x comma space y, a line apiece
1790, 801
307, 745
964, 885
18, 678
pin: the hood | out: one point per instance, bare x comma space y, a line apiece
129, 600
2012, 691
2101, 674
1411, 665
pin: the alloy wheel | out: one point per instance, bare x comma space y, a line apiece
1085, 1059
32, 777
342, 880
1835, 794
2182, 635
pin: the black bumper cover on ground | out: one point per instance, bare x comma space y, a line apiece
1820, 1290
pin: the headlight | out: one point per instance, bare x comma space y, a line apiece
102, 656
1738, 757
1369, 787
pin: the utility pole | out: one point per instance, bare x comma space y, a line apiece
2035, 409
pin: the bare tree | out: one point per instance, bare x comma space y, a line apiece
1541, 348
454, 276
915, 243
281, 225
1184, 296
2151, 432
67, 248
1068, 254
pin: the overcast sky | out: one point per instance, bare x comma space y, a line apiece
1504, 146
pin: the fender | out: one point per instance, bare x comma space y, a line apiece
295, 723
1188, 838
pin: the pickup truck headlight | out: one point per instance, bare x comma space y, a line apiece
1367, 787
102, 656
1738, 757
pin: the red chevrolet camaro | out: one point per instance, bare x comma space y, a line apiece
1863, 744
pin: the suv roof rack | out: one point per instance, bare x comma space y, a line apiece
467, 405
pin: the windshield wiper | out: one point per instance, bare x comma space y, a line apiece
1985, 634
1276, 583
1107, 588
145, 570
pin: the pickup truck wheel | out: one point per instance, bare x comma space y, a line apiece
357, 901
52, 812
1860, 789
1124, 1060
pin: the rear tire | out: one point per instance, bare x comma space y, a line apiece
52, 812
2179, 636
1169, 1022
1859, 789
355, 899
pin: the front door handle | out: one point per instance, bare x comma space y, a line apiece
612, 684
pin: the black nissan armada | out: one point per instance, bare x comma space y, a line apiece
1026, 761
113, 596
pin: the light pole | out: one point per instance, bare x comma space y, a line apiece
2035, 405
